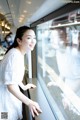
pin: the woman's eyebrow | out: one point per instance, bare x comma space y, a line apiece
30, 36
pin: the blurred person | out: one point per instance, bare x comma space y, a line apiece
9, 39
2, 51
11, 76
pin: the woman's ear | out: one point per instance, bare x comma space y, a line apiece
19, 41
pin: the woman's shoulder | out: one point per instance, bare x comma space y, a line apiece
13, 52
11, 55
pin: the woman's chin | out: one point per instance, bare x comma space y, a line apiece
32, 49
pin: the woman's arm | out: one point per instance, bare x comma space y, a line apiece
34, 107
28, 86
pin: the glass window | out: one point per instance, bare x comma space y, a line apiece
58, 62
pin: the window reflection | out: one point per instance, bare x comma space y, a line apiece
59, 65
67, 55
66, 43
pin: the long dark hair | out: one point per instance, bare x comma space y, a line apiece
19, 33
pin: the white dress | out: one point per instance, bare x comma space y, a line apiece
11, 72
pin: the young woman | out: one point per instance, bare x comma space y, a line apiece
11, 76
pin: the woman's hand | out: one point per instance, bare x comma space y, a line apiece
34, 108
29, 86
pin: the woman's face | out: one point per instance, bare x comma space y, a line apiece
28, 40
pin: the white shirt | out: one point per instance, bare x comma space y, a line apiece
12, 67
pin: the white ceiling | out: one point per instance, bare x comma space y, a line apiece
19, 12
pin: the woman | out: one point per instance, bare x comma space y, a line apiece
12, 72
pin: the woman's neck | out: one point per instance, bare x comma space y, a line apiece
21, 50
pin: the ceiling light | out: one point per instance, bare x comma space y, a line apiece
25, 11
22, 15
3, 32
8, 27
28, 2
3, 23
20, 21
20, 18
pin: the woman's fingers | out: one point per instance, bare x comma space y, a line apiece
32, 112
33, 86
38, 107
35, 109
39, 110
29, 86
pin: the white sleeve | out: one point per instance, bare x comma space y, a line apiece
11, 73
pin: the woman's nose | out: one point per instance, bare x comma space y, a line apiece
33, 41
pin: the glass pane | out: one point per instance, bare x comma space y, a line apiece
58, 48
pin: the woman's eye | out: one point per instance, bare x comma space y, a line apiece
31, 38
28, 38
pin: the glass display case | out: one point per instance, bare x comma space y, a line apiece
58, 62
